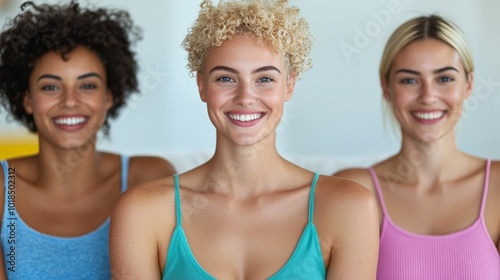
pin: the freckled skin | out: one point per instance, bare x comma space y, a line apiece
247, 189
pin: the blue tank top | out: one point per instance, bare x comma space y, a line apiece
30, 254
306, 261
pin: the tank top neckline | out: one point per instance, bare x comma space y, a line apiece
387, 221
102, 226
278, 273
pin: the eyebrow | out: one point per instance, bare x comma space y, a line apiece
444, 69
437, 71
93, 74
49, 76
223, 68
266, 68
232, 70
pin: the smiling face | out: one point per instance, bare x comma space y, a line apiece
68, 99
427, 86
245, 86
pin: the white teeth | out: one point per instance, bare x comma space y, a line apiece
245, 117
70, 121
429, 116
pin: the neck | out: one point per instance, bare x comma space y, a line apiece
244, 171
67, 169
427, 161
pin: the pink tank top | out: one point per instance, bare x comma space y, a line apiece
469, 254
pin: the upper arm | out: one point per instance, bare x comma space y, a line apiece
354, 254
143, 169
132, 238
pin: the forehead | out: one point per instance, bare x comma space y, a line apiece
79, 60
243, 52
427, 53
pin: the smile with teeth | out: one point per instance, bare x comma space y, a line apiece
429, 116
245, 117
70, 120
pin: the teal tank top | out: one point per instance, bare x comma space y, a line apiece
306, 261
30, 254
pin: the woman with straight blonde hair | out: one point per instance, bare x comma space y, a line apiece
438, 206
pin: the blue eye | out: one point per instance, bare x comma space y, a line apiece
445, 79
265, 80
408, 81
225, 79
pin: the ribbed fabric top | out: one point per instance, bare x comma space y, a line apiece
468, 254
306, 261
30, 254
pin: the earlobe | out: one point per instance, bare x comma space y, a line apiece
27, 104
109, 99
290, 86
470, 84
201, 89
385, 89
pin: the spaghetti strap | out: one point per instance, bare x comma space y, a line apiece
311, 198
124, 173
485, 188
378, 190
177, 200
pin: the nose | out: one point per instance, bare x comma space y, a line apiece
244, 95
427, 94
69, 98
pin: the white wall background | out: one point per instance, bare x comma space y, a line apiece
336, 110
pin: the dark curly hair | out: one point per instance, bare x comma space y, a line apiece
39, 29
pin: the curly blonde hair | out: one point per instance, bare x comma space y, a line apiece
272, 23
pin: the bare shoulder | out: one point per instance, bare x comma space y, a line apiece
495, 169
146, 168
341, 192
339, 202
16, 166
343, 207
147, 196
494, 180
141, 221
150, 206
346, 218
360, 175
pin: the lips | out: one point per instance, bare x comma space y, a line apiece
245, 117
428, 116
70, 123
70, 120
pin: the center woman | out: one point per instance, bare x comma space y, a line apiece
247, 213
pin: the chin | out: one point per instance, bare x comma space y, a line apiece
431, 139
76, 144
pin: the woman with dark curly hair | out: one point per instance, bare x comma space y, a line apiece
64, 72
247, 213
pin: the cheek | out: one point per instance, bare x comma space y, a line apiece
400, 100
456, 101
455, 97
42, 105
99, 103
